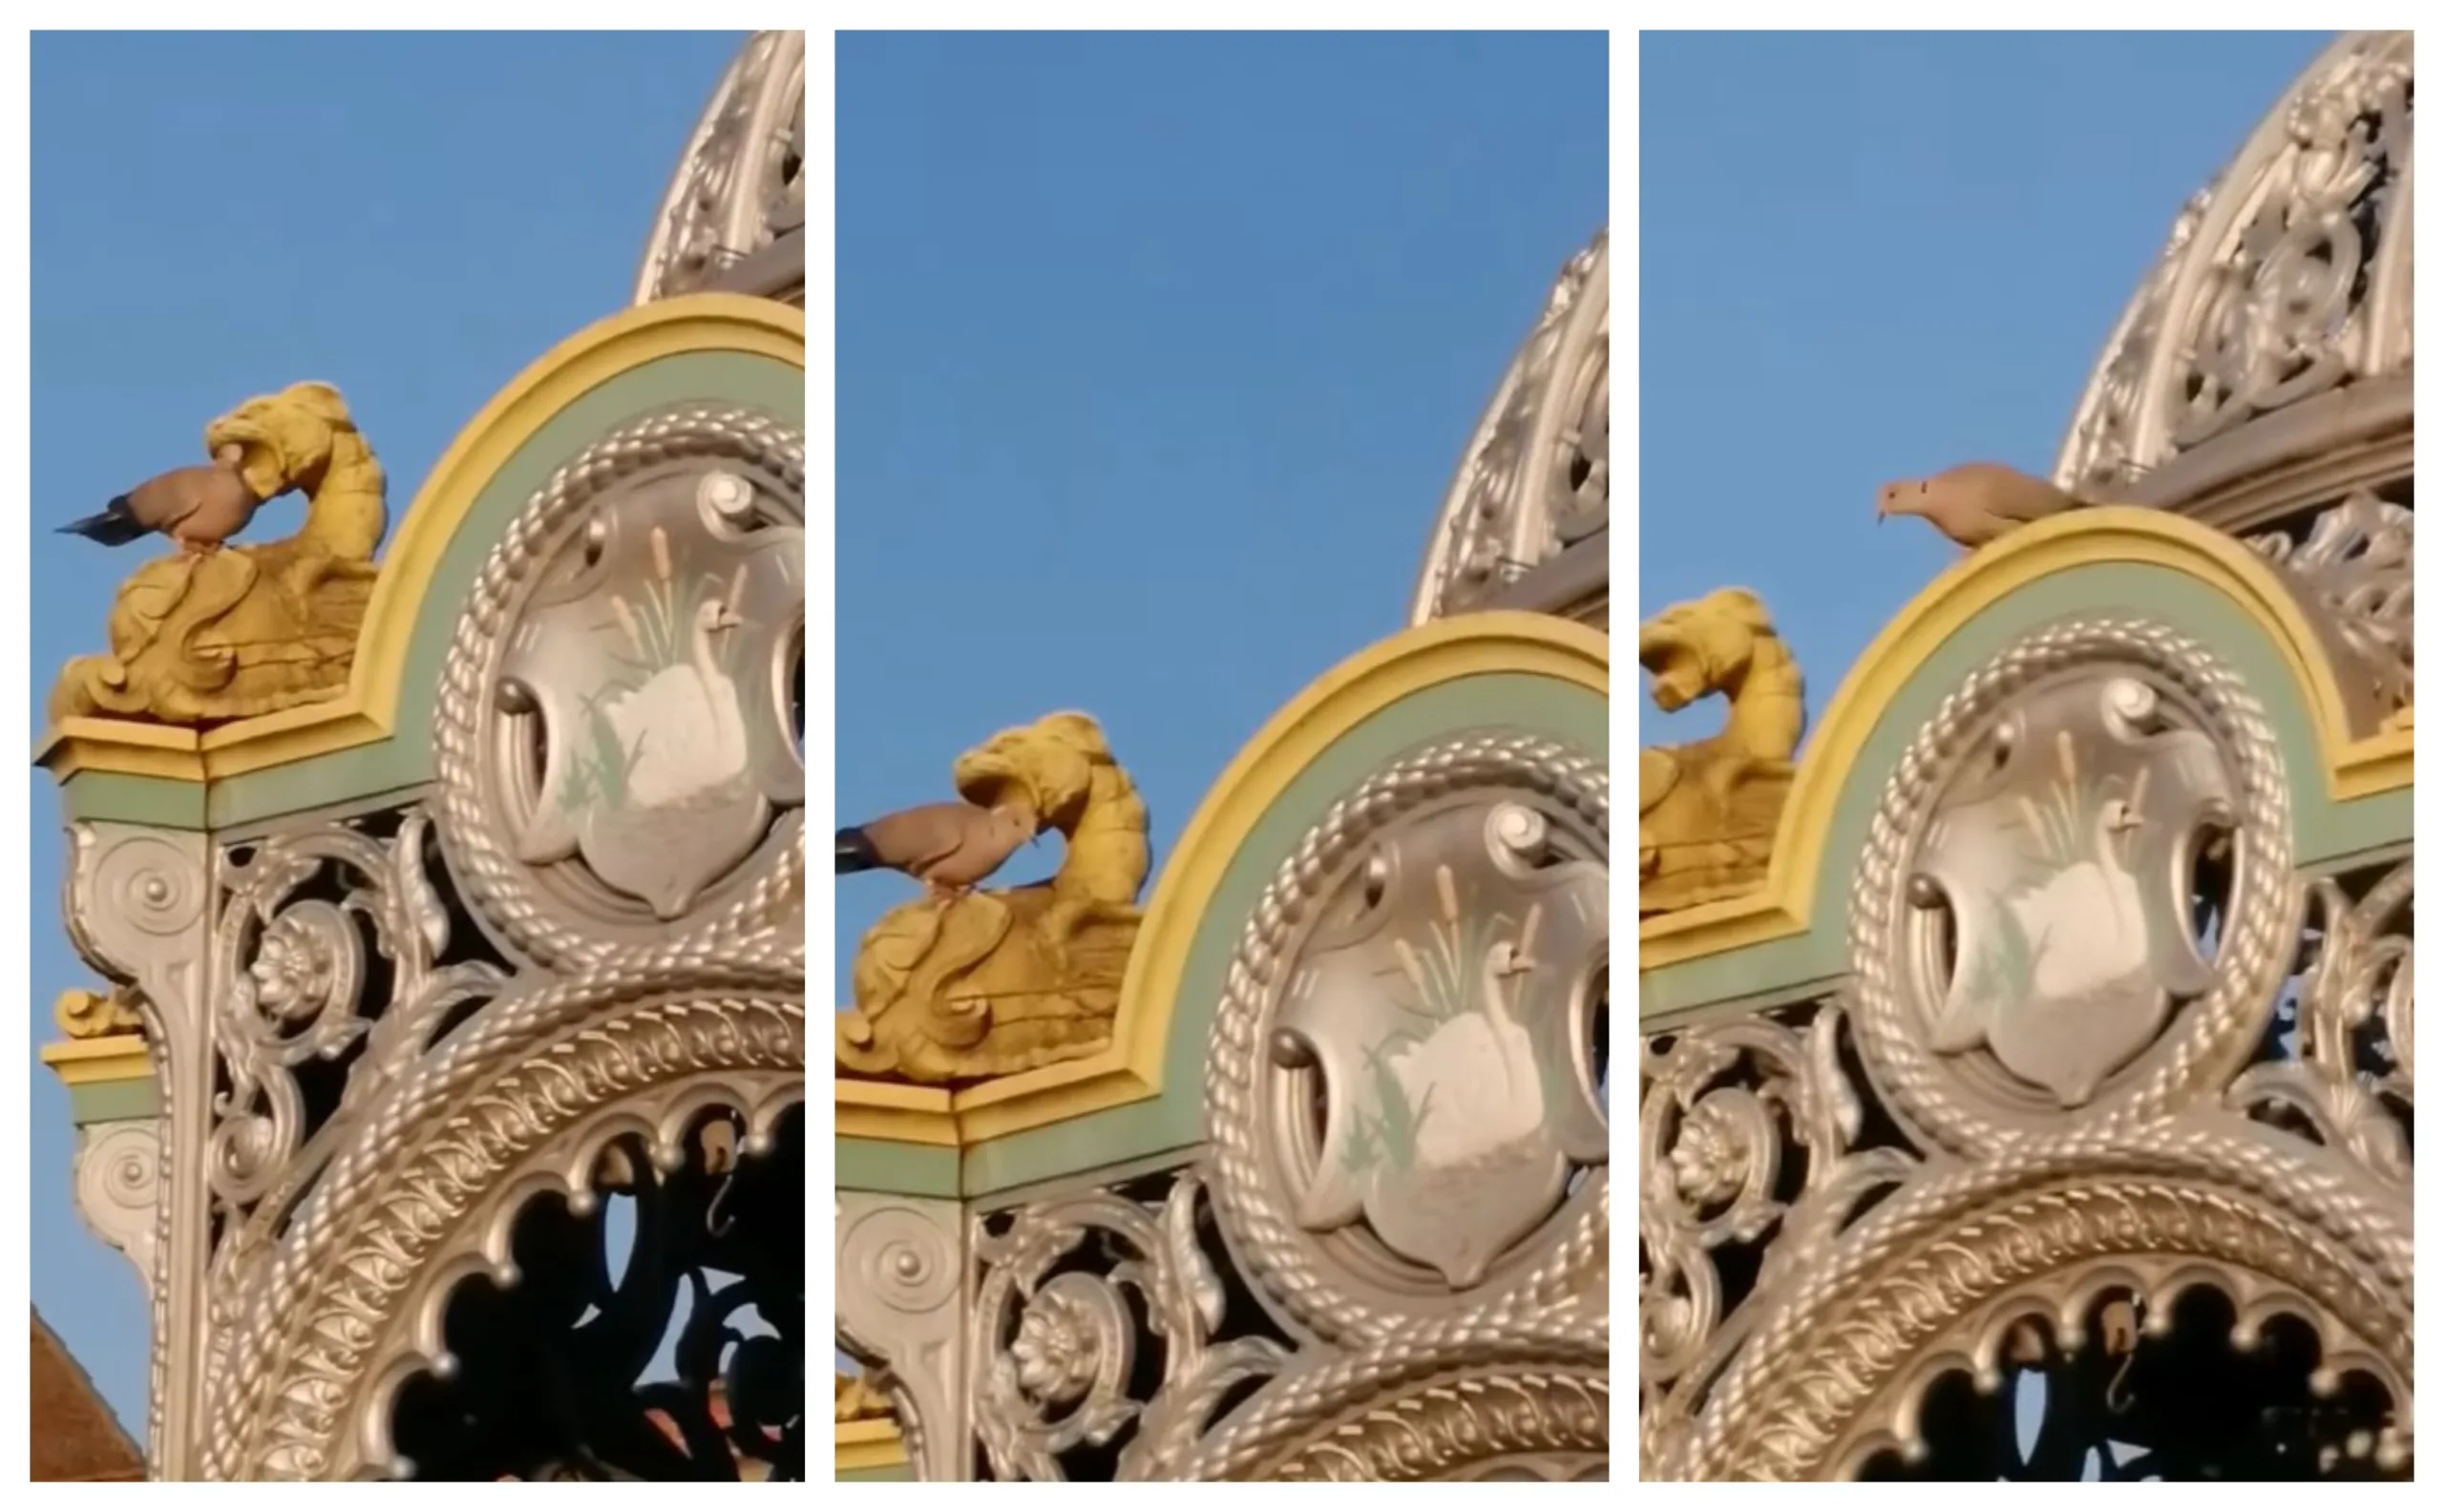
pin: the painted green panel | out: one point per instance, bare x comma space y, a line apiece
2320, 827
886, 1165
1176, 1117
897, 1472
158, 802
108, 1102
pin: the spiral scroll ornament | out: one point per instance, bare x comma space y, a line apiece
149, 885
119, 1189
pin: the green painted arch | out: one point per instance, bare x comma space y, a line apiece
2323, 829
405, 759
1174, 1118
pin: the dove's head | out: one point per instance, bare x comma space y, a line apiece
1909, 496
1015, 822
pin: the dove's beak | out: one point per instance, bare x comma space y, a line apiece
726, 619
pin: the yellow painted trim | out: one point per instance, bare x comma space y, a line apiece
112, 1057
887, 1110
368, 711
869, 1443
2356, 766
1385, 674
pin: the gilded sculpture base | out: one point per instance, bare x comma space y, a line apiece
247, 630
993, 983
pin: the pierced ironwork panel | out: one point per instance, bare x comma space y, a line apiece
2098, 1164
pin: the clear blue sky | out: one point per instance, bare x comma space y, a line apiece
413, 218
1865, 256
1156, 354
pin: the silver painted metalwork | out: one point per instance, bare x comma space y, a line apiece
1439, 944
139, 912
294, 990
2357, 562
2100, 1044
1536, 476
1056, 1348
742, 180
1063, 1377
343, 1241
119, 1188
2352, 1079
1430, 1299
2057, 811
2287, 278
2102, 1112
905, 1284
633, 1003
2052, 886
618, 766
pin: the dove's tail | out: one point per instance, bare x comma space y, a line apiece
853, 852
116, 525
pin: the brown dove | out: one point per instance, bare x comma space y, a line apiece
1976, 502
950, 847
197, 507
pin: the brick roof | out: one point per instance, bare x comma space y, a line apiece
74, 1438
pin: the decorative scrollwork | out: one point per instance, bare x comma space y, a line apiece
904, 1280
664, 725
142, 883
2350, 1081
1720, 1110
86, 1015
1057, 1353
1537, 475
2287, 278
2144, 1164
118, 1188
136, 910
1472, 846
424, 1183
743, 180
293, 995
2357, 562
1835, 1370
663, 1349
1488, 1425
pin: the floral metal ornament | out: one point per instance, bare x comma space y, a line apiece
2063, 855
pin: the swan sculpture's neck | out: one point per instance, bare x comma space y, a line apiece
706, 663
1768, 704
1499, 1010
